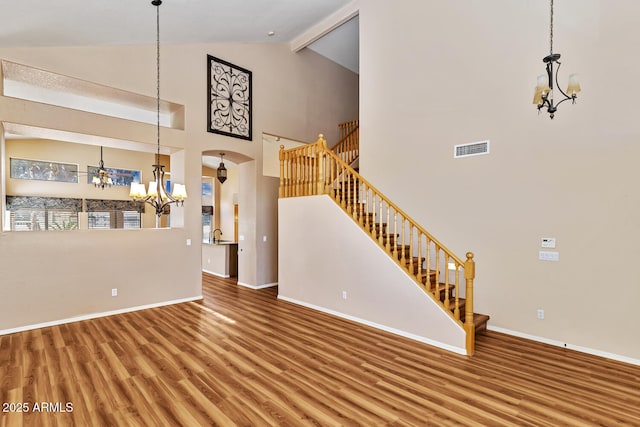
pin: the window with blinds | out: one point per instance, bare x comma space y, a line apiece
34, 219
33, 213
114, 219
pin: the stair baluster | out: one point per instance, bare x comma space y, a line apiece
447, 303
395, 231
456, 310
390, 236
404, 258
419, 273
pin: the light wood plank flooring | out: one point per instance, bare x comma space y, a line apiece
242, 357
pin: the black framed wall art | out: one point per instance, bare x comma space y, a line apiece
229, 109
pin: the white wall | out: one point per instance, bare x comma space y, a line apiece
464, 71
324, 253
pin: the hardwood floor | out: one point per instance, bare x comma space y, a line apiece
241, 357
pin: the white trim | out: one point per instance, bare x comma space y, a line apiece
379, 326
268, 285
224, 276
557, 343
96, 315
325, 26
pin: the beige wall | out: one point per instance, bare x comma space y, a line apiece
464, 71
324, 253
297, 95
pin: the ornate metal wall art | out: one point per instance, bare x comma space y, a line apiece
229, 109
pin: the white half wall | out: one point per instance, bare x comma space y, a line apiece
323, 253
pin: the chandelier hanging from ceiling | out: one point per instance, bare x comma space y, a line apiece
102, 179
158, 195
544, 93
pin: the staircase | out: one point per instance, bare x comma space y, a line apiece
315, 170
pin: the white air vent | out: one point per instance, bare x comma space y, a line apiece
471, 149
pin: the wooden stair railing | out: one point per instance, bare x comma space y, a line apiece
315, 170
347, 149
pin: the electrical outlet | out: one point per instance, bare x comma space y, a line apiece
344, 294
540, 313
114, 292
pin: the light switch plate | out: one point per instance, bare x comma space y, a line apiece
548, 242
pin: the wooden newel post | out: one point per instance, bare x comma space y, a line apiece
469, 327
322, 149
281, 156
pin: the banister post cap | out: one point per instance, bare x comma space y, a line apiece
321, 140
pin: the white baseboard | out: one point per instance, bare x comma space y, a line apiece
556, 343
213, 273
394, 331
268, 285
95, 316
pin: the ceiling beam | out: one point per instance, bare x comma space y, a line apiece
325, 26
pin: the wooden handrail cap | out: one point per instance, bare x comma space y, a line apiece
469, 256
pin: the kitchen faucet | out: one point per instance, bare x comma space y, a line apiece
214, 234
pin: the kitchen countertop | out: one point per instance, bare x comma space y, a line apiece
221, 242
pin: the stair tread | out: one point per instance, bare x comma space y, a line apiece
442, 287
428, 272
480, 318
480, 321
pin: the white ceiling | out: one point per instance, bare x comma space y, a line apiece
28, 23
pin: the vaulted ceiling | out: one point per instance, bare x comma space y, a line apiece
31, 23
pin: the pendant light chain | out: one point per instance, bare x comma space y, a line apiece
158, 79
551, 31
